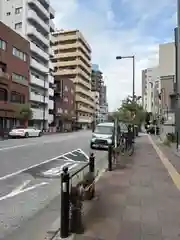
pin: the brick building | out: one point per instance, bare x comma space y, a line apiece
14, 75
64, 103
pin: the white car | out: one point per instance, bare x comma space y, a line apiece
25, 132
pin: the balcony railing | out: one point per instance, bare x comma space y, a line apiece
32, 15
36, 4
4, 75
32, 31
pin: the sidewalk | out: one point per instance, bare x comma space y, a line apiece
139, 202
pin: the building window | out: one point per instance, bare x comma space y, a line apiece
3, 95
17, 97
8, 13
16, 76
18, 10
18, 25
2, 44
19, 54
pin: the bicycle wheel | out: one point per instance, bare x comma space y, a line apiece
130, 149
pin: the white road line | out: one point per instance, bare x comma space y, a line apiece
15, 193
36, 143
33, 166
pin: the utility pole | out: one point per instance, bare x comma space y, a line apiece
177, 77
133, 57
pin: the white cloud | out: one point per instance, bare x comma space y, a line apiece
109, 38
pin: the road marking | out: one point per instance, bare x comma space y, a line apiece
17, 146
33, 143
170, 168
36, 165
15, 192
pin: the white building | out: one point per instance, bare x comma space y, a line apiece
33, 20
150, 89
96, 97
103, 113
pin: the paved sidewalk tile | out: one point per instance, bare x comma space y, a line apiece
139, 202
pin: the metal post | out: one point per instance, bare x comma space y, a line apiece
92, 163
110, 158
133, 94
44, 109
65, 201
177, 41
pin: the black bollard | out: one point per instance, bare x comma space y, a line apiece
65, 201
110, 158
92, 163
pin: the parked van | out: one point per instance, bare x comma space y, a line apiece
103, 135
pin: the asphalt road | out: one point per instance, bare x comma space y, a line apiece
29, 175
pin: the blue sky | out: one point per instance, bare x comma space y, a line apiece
120, 27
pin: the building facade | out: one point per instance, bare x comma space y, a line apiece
72, 60
150, 90
64, 104
33, 20
167, 76
96, 78
14, 75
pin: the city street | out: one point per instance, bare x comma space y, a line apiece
29, 175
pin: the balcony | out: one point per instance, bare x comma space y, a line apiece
67, 63
67, 46
34, 17
85, 109
39, 51
38, 114
81, 63
50, 79
51, 104
65, 72
39, 82
85, 75
80, 81
32, 32
39, 8
4, 78
38, 98
52, 12
51, 92
52, 26
84, 100
38, 66
79, 89
51, 52
51, 67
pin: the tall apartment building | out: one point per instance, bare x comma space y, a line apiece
33, 20
96, 78
73, 60
150, 90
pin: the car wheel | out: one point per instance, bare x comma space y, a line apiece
40, 134
26, 135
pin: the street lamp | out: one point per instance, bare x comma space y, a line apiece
133, 58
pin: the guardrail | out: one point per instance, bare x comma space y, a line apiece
73, 193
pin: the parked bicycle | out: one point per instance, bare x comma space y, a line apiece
126, 144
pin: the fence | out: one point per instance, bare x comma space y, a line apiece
73, 192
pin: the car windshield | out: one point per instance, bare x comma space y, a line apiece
104, 129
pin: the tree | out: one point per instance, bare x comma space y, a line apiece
24, 113
131, 111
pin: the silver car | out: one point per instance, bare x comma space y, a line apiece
102, 136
